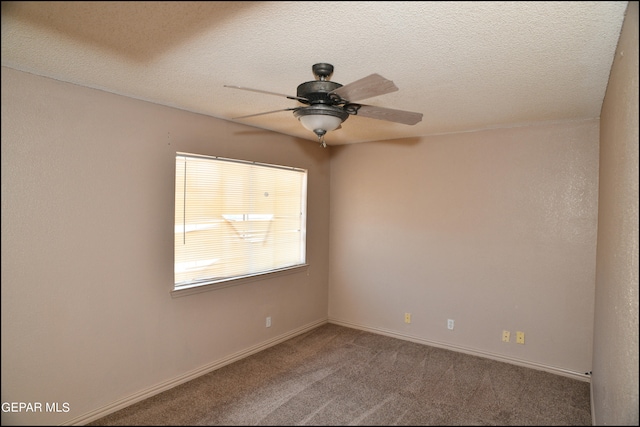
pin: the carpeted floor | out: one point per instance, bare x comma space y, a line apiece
335, 375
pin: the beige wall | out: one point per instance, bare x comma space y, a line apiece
87, 249
614, 385
493, 229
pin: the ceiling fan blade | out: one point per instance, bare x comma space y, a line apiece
389, 114
266, 112
366, 87
269, 93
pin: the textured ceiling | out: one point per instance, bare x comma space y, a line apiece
464, 65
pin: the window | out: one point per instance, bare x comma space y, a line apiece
236, 219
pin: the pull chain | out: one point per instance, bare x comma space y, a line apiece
320, 133
321, 140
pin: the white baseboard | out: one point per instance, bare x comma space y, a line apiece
166, 385
527, 364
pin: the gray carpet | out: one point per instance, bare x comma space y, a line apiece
335, 375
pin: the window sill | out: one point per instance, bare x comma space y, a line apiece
220, 284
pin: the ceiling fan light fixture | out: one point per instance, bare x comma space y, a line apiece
319, 118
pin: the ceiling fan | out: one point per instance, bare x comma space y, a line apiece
327, 104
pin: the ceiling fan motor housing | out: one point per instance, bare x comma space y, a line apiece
317, 92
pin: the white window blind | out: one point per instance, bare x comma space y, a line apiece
235, 219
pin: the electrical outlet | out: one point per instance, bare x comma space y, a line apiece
268, 322
450, 324
407, 318
520, 337
506, 336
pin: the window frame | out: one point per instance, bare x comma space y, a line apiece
205, 285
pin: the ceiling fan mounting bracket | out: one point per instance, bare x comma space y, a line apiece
322, 71
351, 108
